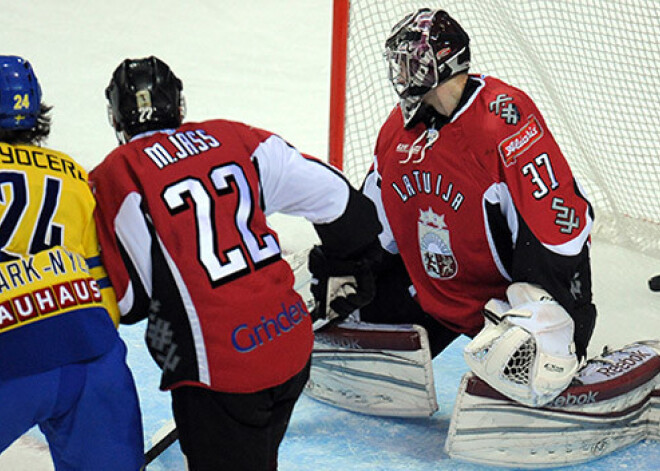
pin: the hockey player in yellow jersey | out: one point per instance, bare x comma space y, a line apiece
63, 363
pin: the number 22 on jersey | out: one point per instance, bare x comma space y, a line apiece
222, 265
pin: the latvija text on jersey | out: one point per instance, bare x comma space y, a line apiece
420, 182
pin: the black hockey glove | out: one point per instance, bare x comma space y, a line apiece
340, 286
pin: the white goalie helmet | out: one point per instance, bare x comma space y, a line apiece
525, 350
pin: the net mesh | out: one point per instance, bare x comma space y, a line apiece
592, 69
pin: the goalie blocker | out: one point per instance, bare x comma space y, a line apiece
614, 403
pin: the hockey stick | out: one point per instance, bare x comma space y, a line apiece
161, 445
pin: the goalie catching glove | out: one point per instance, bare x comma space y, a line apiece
525, 350
341, 286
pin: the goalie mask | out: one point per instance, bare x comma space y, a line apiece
423, 50
525, 352
144, 95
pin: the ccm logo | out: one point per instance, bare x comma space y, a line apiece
553, 368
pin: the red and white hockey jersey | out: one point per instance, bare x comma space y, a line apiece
482, 200
182, 222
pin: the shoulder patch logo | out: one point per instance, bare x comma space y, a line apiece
504, 107
437, 257
517, 144
566, 218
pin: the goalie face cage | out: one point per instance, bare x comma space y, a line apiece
592, 70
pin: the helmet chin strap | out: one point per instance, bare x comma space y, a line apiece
122, 137
182, 107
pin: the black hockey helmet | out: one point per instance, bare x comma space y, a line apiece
423, 50
144, 95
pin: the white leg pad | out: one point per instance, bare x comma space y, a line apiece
376, 369
616, 405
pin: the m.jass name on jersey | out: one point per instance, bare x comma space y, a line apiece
185, 144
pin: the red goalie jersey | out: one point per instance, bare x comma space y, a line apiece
479, 200
201, 262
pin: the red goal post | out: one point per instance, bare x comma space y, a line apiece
593, 68
338, 83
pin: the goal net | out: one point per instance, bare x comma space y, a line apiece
593, 69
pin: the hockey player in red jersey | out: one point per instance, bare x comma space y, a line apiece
472, 188
63, 362
182, 222
474, 195
486, 232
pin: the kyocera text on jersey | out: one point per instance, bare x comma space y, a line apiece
246, 338
41, 158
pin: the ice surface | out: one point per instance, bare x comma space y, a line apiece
267, 63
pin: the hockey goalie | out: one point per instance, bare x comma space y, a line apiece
477, 201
